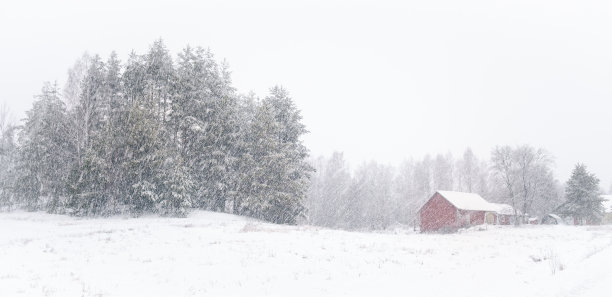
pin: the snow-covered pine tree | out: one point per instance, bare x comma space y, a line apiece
582, 194
246, 111
259, 178
205, 125
159, 80
8, 150
45, 155
279, 174
114, 151
143, 160
153, 178
182, 104
87, 181
92, 109
113, 86
152, 137
291, 129
220, 144
88, 185
132, 78
176, 183
93, 183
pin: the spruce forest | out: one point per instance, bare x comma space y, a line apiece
156, 134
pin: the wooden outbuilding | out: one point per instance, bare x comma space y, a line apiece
448, 211
552, 219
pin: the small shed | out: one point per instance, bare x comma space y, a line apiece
505, 214
552, 219
448, 210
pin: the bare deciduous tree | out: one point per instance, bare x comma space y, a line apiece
525, 174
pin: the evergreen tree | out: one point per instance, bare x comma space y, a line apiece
159, 80
143, 161
261, 197
93, 107
113, 87
8, 150
582, 194
88, 186
176, 184
133, 80
205, 124
279, 174
45, 154
154, 137
242, 180
92, 183
114, 148
153, 177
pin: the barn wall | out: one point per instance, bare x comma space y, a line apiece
477, 217
437, 214
470, 217
504, 219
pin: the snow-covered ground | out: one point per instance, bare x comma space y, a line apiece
211, 254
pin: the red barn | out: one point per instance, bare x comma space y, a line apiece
447, 210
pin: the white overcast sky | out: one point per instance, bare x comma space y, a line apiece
382, 80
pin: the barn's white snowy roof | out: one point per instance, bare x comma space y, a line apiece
503, 208
607, 203
468, 201
556, 217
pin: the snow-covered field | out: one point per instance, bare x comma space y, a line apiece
211, 254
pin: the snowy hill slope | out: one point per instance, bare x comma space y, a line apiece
211, 254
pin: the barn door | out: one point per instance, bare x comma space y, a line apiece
465, 220
490, 218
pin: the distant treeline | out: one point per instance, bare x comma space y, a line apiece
156, 135
376, 196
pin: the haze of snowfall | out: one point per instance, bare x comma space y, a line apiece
162, 135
